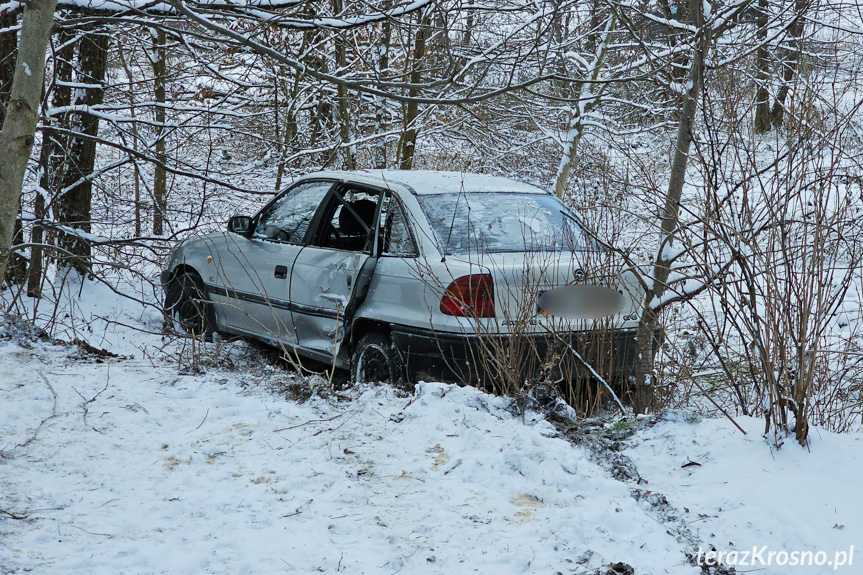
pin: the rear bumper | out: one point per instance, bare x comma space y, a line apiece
467, 357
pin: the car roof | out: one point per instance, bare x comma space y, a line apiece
427, 182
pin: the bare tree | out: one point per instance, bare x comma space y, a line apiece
644, 382
790, 59
408, 142
8, 47
160, 184
19, 125
589, 96
74, 199
52, 159
762, 75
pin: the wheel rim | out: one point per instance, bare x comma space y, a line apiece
373, 365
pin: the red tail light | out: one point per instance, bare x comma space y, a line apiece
469, 296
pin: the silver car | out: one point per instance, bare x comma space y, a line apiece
394, 273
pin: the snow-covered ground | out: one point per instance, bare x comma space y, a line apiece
134, 465
744, 495
214, 474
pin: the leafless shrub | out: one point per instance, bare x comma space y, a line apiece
787, 214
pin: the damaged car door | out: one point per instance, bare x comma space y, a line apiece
328, 272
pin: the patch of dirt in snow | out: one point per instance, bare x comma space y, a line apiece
604, 439
214, 473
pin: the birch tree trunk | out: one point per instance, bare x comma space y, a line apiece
8, 46
19, 125
644, 385
587, 101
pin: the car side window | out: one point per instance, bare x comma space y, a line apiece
288, 218
397, 237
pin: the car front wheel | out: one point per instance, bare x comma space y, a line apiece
375, 359
186, 303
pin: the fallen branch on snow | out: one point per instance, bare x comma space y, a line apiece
50, 417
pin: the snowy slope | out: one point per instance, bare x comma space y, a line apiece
745, 495
214, 474
219, 473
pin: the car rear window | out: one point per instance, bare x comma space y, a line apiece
501, 222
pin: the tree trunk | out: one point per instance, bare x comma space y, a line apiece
342, 95
286, 144
586, 103
135, 137
644, 385
380, 104
52, 159
35, 271
16, 270
409, 135
762, 96
323, 111
679, 11
160, 181
8, 48
19, 125
72, 207
790, 62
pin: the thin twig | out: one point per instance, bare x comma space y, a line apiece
719, 407
593, 371
90, 532
53, 412
27, 514
14, 515
308, 423
91, 400
203, 420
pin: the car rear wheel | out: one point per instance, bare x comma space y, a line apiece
186, 303
375, 359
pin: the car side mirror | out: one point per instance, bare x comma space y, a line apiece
240, 225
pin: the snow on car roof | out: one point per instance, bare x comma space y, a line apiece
433, 182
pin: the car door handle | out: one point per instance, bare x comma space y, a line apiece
281, 272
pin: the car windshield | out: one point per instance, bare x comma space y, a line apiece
501, 222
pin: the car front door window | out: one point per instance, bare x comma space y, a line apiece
288, 218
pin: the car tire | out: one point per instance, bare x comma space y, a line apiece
375, 359
187, 305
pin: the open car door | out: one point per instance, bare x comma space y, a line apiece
331, 274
